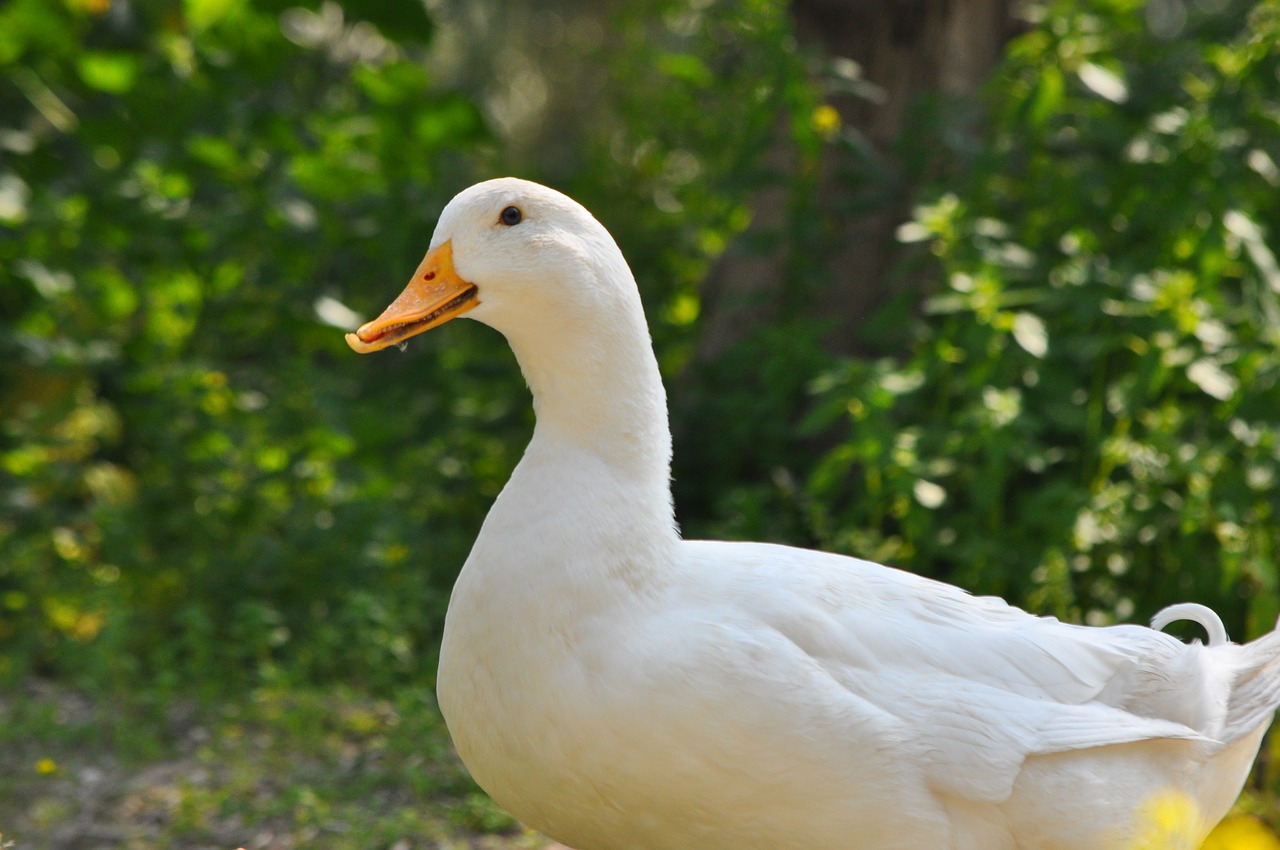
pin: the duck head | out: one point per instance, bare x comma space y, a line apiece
512, 254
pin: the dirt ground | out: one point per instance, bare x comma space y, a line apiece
276, 771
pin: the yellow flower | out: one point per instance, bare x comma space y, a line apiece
825, 121
46, 766
1167, 819
1241, 832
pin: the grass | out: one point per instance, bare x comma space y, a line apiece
279, 769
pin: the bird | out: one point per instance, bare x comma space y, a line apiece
618, 687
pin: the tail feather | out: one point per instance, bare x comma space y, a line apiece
1255, 693
1255, 687
1205, 616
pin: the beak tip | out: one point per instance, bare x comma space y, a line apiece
356, 344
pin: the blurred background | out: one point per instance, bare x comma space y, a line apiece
983, 289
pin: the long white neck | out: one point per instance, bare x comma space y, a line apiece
598, 396
604, 397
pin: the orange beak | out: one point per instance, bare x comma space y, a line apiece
434, 296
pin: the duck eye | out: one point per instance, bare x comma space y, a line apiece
511, 216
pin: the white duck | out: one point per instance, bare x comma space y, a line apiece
615, 686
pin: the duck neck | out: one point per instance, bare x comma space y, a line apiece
605, 399
597, 392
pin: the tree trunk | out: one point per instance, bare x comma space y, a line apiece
905, 49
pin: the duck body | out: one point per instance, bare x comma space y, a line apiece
616, 686
857, 707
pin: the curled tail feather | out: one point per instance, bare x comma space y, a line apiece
1204, 616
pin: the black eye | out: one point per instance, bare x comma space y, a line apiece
511, 216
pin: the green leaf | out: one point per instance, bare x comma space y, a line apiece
685, 67
114, 73
1047, 98
202, 14
213, 151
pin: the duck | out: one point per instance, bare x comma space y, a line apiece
618, 687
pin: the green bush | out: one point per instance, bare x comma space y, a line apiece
1089, 417
200, 482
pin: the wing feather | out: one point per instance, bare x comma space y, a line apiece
976, 685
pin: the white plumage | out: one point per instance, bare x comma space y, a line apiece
617, 687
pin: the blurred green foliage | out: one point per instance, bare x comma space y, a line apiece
201, 486
1088, 420
200, 482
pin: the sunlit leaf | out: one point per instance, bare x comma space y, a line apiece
1210, 377
1047, 98
685, 67
1103, 82
1030, 333
14, 194
202, 14
928, 494
113, 73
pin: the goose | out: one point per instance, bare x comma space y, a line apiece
615, 686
